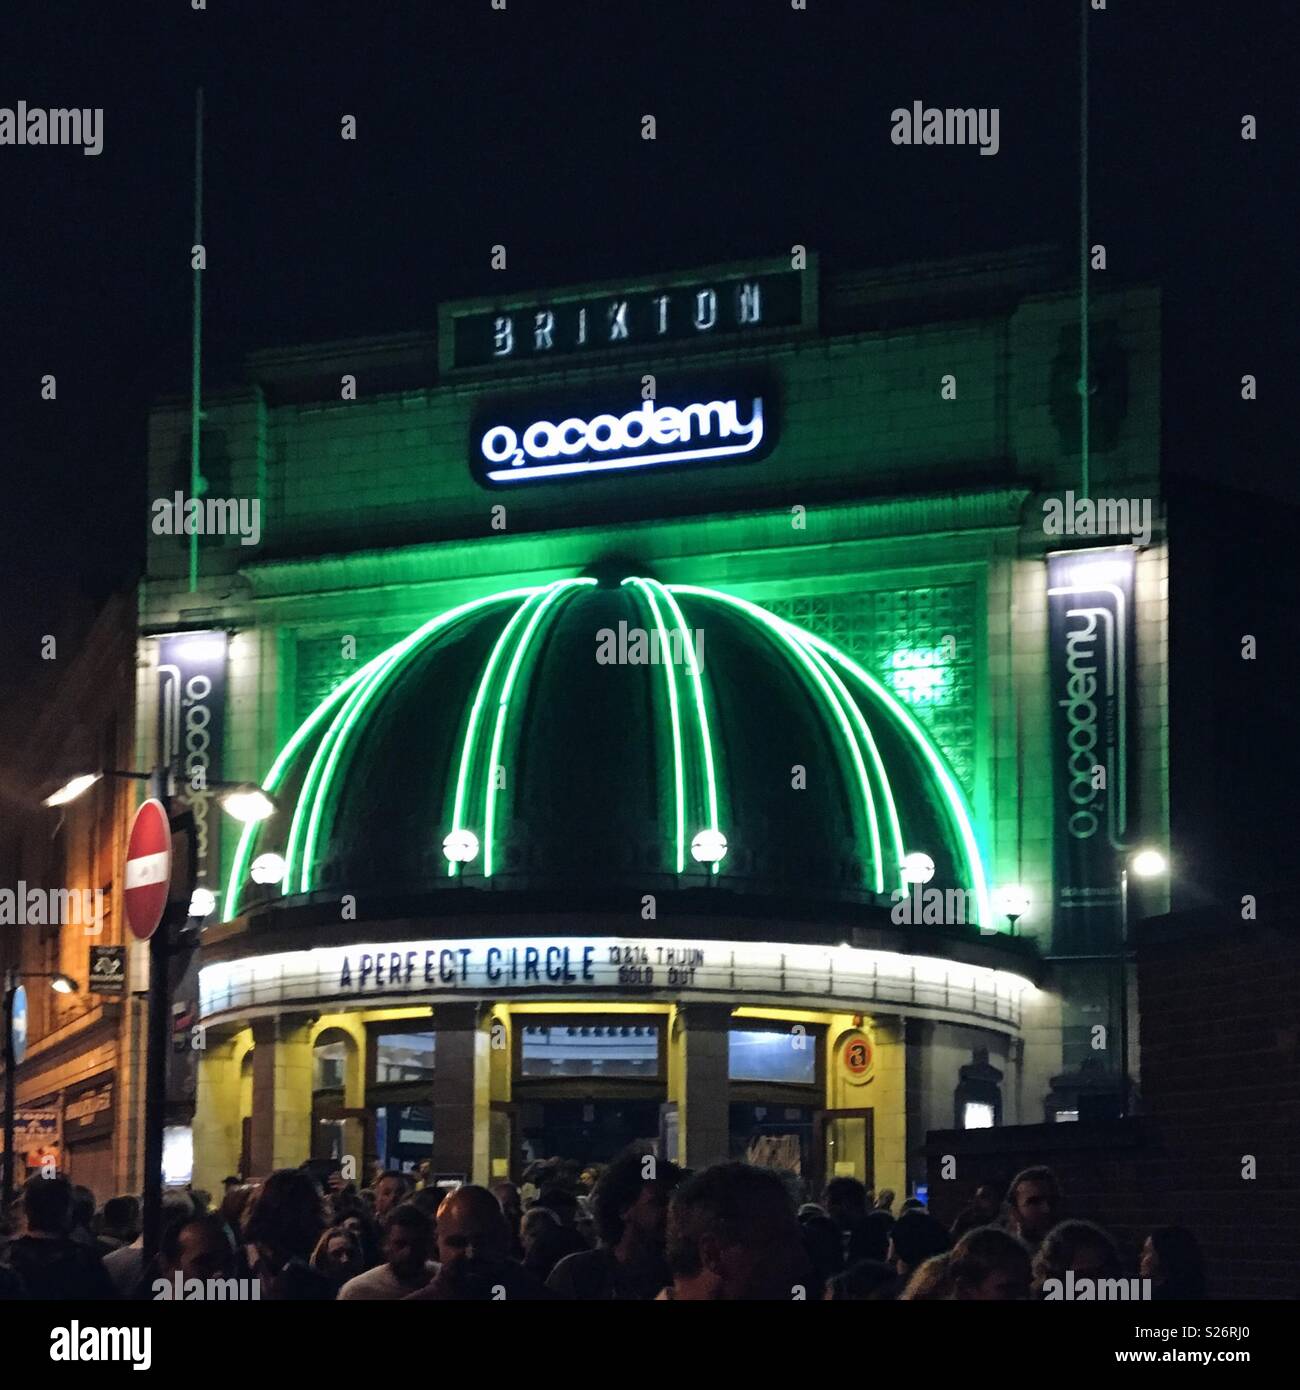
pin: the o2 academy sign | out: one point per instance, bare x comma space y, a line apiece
530, 441
725, 304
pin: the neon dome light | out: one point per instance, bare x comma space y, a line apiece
476, 711
952, 792
774, 625
956, 800
843, 700
670, 677
503, 710
346, 720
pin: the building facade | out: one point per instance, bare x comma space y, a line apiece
79, 1085
710, 710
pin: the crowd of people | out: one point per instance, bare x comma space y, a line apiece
641, 1229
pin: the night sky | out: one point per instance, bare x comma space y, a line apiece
523, 127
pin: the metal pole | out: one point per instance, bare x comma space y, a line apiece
196, 479
155, 1084
1123, 991
11, 988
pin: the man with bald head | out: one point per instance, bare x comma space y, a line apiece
474, 1248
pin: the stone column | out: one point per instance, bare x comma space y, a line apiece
461, 1092
703, 1113
281, 1135
216, 1111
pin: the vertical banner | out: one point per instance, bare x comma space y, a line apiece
1090, 624
191, 725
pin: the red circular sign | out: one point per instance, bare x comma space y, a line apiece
148, 869
856, 1055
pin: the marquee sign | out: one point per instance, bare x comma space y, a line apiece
369, 974
524, 442
725, 304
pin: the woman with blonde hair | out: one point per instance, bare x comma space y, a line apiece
931, 1280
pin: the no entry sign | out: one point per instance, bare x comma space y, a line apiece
148, 869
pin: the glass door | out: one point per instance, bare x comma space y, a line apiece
845, 1146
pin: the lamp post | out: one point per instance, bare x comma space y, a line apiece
1145, 863
245, 801
63, 984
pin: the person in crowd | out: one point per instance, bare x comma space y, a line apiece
916, 1237
1033, 1204
199, 1248
338, 1256
507, 1194
931, 1281
885, 1201
428, 1199
868, 1281
989, 1265
474, 1250
550, 1244
630, 1209
121, 1224
232, 1181
233, 1206
50, 1264
408, 1243
984, 1210
391, 1190
1171, 1259
283, 1223
733, 1235
83, 1218
531, 1226
824, 1246
561, 1201
911, 1204
126, 1265
369, 1237
1080, 1246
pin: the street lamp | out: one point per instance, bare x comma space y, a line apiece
1144, 863
63, 984
1013, 903
245, 801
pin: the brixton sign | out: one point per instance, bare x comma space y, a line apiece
523, 443
723, 305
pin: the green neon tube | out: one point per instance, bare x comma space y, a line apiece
471, 727
503, 709
953, 793
352, 711
670, 677
777, 629
864, 731
701, 710
273, 778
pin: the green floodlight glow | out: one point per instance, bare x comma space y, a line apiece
953, 793
785, 635
670, 676
920, 675
476, 711
701, 712
503, 709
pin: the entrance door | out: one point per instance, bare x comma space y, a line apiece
585, 1131
844, 1146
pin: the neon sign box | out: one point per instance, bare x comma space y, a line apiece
522, 443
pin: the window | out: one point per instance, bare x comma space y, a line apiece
329, 1061
403, 1057
596, 1049
977, 1115
774, 1056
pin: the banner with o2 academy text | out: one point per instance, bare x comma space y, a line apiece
1092, 670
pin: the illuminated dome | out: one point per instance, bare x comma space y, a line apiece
635, 736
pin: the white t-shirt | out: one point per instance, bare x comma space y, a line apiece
381, 1283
